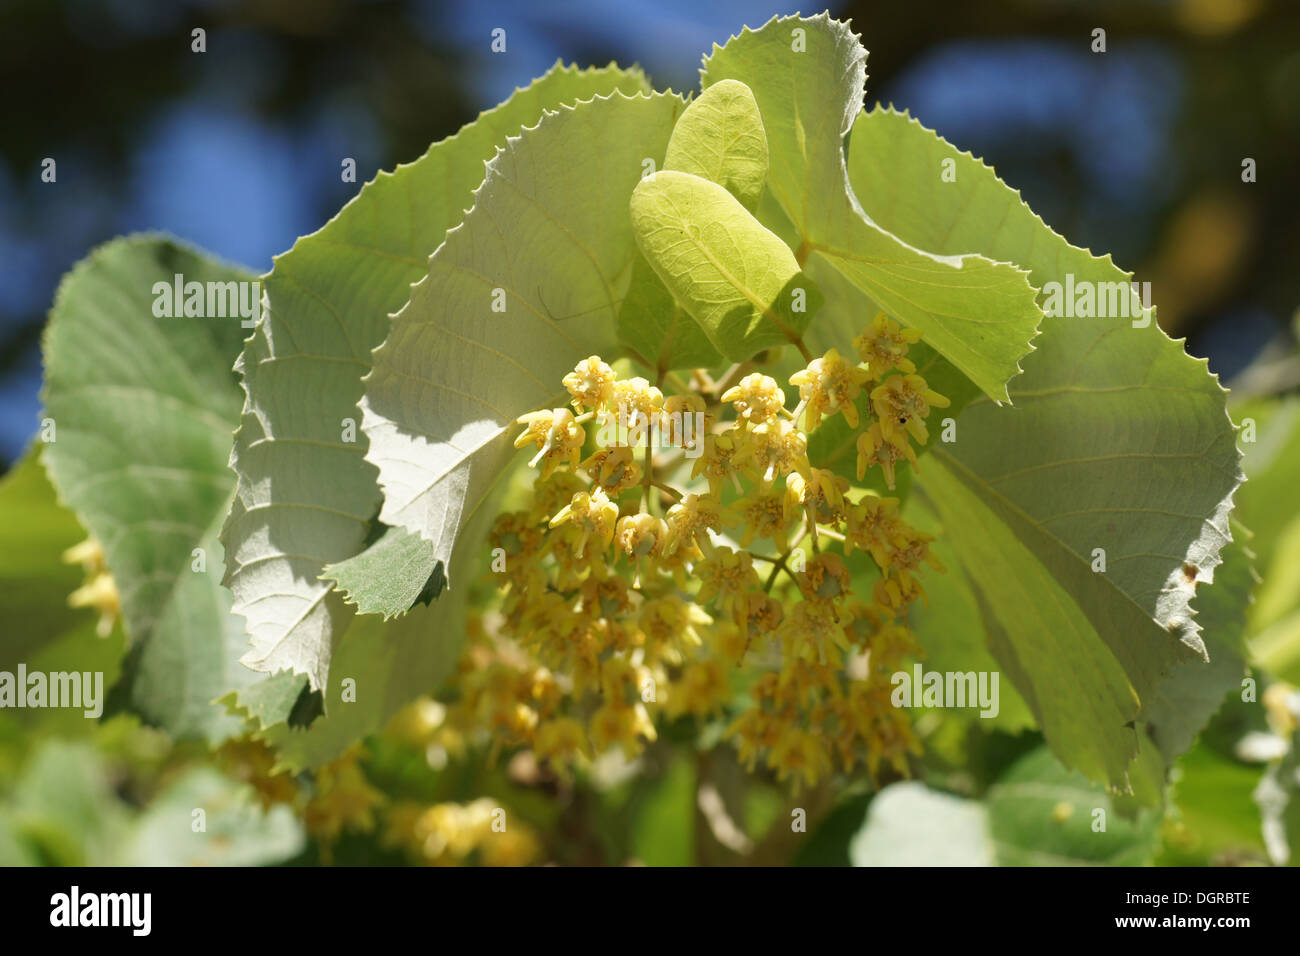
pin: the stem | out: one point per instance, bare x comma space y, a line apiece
677, 495
648, 479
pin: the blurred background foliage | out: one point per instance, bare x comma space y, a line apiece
1137, 152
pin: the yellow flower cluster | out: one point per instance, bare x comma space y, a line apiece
461, 834
100, 591
339, 797
632, 583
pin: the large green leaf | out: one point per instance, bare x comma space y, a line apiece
807, 75
143, 409
1117, 440
949, 629
306, 495
1194, 691
550, 239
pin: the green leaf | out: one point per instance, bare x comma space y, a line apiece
721, 138
1270, 439
306, 495
65, 806
1218, 819
657, 329
738, 280
549, 229
663, 826
948, 627
385, 578
378, 668
144, 408
1193, 692
1042, 814
808, 76
1118, 440
1037, 814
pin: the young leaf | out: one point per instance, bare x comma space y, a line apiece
807, 75
144, 407
1118, 441
721, 138
306, 495
739, 281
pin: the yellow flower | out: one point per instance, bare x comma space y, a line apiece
614, 469
343, 800
827, 385
800, 754
822, 491
621, 724
639, 396
761, 514
689, 521
758, 398
640, 534
702, 688
872, 525
553, 492
777, 447
591, 383
875, 449
672, 419
728, 576
813, 630
904, 401
593, 515
560, 739
101, 595
826, 578
895, 592
883, 346
557, 436
717, 462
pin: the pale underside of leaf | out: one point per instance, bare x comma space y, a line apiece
550, 230
306, 495
144, 408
